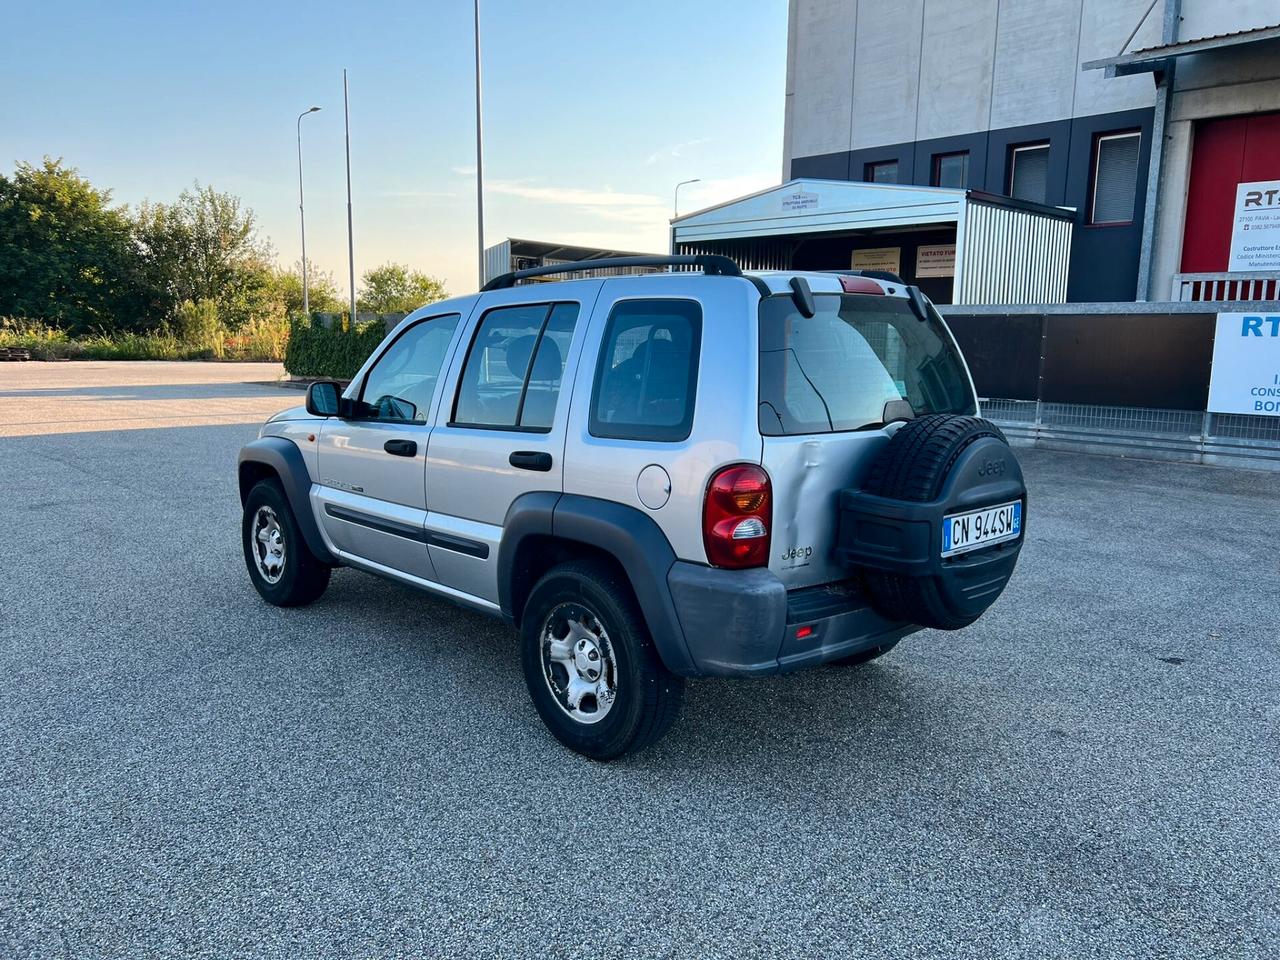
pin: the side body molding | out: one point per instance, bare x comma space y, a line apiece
627, 534
284, 459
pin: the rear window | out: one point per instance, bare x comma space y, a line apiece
836, 370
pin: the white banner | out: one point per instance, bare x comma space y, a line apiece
1246, 364
936, 260
1255, 231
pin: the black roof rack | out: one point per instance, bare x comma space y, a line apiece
711, 264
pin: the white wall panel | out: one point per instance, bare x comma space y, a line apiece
823, 76
886, 72
957, 55
1036, 65
1104, 25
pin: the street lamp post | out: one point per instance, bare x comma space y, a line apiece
675, 203
479, 153
351, 243
302, 216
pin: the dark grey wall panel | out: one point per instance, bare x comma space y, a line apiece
1003, 353
1137, 360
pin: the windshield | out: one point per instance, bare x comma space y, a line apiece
836, 370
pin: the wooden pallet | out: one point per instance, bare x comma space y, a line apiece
14, 353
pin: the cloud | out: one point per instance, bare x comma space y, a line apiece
674, 151
573, 196
464, 171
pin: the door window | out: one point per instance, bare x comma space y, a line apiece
511, 380
647, 377
402, 382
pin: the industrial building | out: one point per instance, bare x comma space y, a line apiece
1133, 121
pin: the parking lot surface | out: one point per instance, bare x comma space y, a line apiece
1089, 771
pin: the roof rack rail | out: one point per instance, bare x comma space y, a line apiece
711, 264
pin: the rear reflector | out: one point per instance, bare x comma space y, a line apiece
803, 632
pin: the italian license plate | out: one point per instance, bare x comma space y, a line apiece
962, 532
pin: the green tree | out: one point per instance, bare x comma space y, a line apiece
205, 246
321, 289
67, 256
394, 288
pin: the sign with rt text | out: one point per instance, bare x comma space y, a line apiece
1246, 364
1255, 231
936, 260
878, 258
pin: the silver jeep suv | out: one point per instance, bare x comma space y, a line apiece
692, 473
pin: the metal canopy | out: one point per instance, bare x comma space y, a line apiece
1156, 59
1007, 251
820, 206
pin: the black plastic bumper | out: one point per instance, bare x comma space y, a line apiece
745, 622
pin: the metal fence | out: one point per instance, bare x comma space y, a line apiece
1064, 378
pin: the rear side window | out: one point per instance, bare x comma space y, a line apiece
836, 370
647, 376
515, 366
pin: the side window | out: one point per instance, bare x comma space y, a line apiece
401, 383
512, 376
647, 376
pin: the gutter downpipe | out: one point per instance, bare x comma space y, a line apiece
1160, 118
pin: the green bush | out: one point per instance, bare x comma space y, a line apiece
198, 327
259, 340
337, 353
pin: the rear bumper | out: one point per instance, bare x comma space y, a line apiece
744, 622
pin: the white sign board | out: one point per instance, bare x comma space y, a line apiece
800, 200
1246, 364
878, 258
1255, 231
936, 260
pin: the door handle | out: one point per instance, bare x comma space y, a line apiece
401, 448
530, 460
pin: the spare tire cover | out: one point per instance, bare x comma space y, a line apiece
954, 465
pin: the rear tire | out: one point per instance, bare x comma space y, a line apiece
281, 566
590, 665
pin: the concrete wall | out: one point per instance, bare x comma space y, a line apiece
865, 73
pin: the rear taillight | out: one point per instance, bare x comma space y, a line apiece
736, 517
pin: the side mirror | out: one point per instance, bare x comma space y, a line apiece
324, 398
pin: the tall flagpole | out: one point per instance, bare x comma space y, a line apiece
351, 246
479, 154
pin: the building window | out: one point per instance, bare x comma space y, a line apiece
1115, 177
1029, 172
885, 171
951, 169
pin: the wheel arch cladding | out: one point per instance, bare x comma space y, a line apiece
275, 457
574, 525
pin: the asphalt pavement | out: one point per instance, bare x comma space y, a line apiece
1089, 771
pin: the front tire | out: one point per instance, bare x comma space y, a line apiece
281, 566
590, 665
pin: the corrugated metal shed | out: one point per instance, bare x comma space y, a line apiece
1007, 251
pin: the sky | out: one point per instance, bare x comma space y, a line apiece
593, 113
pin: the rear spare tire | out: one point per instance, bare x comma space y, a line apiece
897, 533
